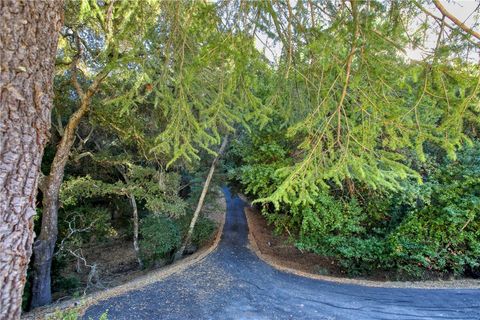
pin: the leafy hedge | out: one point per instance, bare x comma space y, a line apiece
442, 233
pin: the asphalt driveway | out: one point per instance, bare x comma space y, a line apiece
232, 283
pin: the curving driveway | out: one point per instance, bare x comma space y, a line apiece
232, 283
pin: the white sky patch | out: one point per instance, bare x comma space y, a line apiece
270, 49
465, 10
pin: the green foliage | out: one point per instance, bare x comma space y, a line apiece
256, 159
203, 231
442, 234
336, 228
69, 314
158, 190
429, 227
73, 314
160, 236
351, 102
342, 106
78, 227
195, 84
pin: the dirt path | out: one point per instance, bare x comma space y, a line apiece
232, 283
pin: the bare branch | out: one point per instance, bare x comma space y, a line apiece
440, 20
455, 20
73, 68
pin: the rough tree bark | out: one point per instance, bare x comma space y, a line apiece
28, 44
44, 245
188, 237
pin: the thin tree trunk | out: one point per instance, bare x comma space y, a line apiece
188, 237
135, 230
133, 202
44, 245
28, 44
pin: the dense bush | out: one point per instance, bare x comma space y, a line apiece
443, 232
160, 236
337, 228
83, 224
420, 229
203, 231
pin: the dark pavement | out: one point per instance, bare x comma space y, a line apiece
232, 283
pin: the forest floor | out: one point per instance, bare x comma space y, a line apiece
278, 251
116, 263
115, 284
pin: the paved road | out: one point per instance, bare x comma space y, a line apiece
232, 283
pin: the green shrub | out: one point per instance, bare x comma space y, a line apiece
160, 236
254, 161
203, 231
73, 314
337, 228
423, 228
443, 233
93, 220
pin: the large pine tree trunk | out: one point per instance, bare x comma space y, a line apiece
28, 44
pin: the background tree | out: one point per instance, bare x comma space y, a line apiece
28, 44
159, 192
196, 214
97, 39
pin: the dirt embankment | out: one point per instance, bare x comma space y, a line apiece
284, 256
